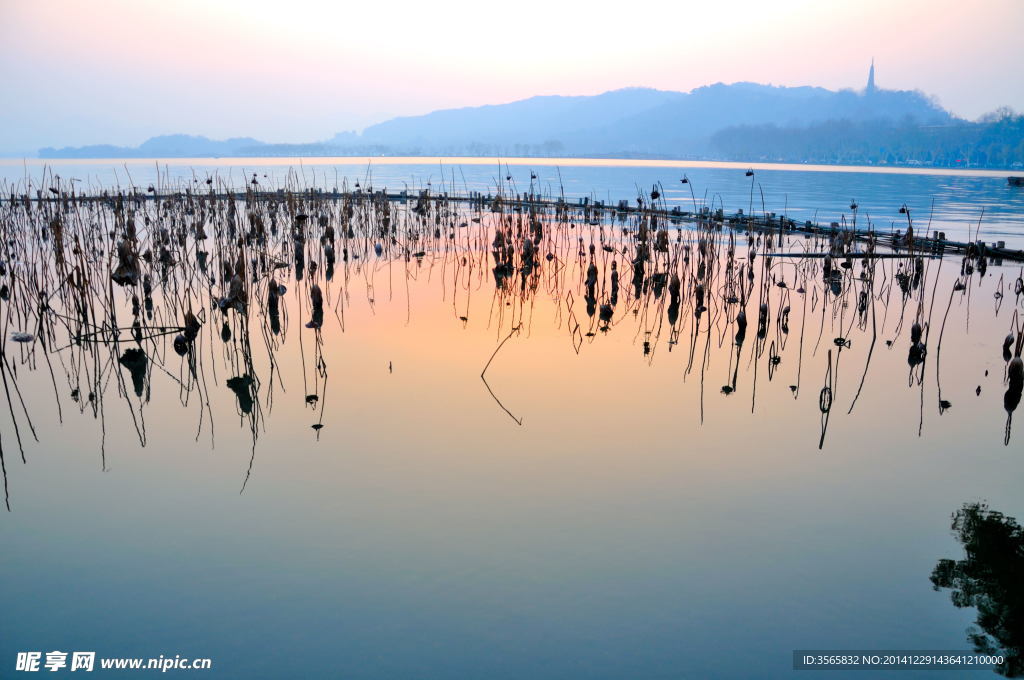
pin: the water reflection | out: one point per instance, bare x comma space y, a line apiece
121, 294
989, 579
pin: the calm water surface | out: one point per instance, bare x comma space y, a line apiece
967, 204
639, 496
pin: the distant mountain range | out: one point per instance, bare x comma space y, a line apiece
741, 121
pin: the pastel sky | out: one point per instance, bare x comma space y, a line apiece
120, 71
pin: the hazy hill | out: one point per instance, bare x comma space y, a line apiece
638, 120
686, 125
741, 121
164, 146
531, 121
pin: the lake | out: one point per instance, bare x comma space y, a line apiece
636, 448
966, 204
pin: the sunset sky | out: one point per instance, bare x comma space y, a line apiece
120, 71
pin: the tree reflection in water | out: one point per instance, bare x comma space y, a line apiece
989, 579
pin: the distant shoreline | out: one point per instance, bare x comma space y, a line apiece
540, 161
